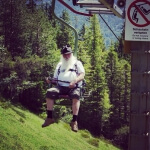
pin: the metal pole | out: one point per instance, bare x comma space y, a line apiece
109, 27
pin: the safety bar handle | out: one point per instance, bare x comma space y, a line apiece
55, 81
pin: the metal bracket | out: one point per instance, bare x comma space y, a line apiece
141, 52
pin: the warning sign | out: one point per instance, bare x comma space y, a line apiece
137, 25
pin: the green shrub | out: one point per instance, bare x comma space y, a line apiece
5, 105
85, 134
21, 120
121, 137
94, 142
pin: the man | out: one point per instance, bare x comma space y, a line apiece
69, 74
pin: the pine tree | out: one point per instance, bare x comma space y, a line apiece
34, 52
12, 30
65, 35
97, 106
118, 80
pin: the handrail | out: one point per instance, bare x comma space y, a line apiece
72, 28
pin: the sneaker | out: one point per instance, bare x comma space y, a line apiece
47, 122
74, 126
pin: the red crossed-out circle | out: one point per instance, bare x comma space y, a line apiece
133, 4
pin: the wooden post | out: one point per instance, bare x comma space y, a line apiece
139, 138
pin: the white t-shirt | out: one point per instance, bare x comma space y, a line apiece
69, 75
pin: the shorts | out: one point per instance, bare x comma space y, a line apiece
55, 92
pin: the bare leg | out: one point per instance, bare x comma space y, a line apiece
75, 106
75, 109
49, 119
50, 103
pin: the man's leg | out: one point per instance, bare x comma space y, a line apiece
51, 94
49, 103
49, 120
75, 106
75, 109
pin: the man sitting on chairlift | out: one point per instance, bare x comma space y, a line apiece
71, 71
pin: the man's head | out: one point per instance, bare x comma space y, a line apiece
66, 52
67, 58
66, 49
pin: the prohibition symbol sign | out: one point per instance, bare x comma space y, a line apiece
138, 13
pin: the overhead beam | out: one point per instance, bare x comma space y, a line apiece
97, 6
85, 2
90, 4
101, 12
102, 4
111, 8
98, 9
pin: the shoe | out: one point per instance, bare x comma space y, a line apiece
74, 126
48, 122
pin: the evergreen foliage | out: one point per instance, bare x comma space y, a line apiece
64, 34
97, 105
118, 80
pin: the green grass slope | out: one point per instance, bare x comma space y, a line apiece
21, 130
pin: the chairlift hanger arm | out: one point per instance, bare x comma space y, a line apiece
63, 22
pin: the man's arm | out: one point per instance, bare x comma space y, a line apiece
49, 80
78, 79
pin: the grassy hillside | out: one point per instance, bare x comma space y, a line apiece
21, 130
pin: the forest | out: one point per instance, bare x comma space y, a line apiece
30, 43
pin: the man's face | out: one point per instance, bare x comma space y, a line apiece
66, 56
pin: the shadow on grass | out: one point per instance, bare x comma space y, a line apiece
19, 113
5, 105
44, 148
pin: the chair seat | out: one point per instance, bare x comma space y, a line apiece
63, 100
64, 96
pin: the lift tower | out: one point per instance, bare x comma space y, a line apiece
137, 34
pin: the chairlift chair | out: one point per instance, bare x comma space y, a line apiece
64, 99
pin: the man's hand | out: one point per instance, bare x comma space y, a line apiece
73, 84
47, 80
78, 79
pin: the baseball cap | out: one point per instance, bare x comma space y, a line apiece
66, 49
